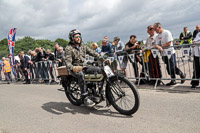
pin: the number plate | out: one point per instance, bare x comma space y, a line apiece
108, 71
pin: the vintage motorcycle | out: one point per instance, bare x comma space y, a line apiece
102, 85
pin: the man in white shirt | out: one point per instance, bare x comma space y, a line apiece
196, 62
164, 40
153, 63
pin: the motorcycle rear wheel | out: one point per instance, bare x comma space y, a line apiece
73, 93
123, 96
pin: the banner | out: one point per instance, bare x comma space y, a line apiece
11, 43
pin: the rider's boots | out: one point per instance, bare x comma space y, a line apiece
84, 95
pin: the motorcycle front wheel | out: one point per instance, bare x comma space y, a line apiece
123, 95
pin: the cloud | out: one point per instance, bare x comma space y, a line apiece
54, 19
37, 19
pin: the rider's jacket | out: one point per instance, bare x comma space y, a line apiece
75, 56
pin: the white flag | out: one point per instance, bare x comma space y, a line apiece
154, 52
45, 63
132, 57
120, 58
40, 63
50, 63
111, 59
168, 52
36, 64
140, 52
186, 51
87, 58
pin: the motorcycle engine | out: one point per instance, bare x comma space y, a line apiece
93, 74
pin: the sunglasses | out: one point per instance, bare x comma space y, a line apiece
77, 37
151, 29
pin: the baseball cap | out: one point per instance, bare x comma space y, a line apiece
104, 40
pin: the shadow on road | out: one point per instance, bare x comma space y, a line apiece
59, 108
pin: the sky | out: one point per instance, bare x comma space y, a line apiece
52, 19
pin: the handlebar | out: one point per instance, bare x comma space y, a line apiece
122, 52
94, 63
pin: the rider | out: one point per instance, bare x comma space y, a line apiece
75, 58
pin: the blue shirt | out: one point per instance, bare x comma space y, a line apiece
107, 48
98, 50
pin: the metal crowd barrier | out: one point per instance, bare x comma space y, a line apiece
38, 72
183, 61
44, 71
139, 60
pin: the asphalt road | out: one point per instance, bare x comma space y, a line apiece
45, 109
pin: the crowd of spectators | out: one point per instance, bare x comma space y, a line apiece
37, 66
39, 63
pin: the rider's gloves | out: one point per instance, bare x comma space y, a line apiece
108, 61
77, 68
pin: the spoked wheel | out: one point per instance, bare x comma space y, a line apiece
122, 94
73, 93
